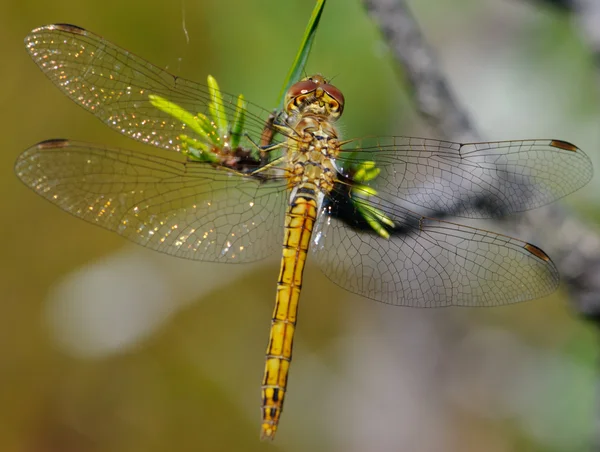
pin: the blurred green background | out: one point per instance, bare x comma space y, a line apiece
105, 346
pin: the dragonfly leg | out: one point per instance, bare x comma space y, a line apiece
276, 122
263, 150
268, 166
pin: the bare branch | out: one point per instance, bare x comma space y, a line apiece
574, 246
433, 96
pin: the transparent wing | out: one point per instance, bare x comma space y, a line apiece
475, 180
427, 262
178, 207
114, 85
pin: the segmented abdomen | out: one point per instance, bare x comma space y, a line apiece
299, 222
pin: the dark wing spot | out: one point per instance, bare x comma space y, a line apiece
53, 143
564, 145
537, 252
69, 28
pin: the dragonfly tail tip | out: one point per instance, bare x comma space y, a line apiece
267, 432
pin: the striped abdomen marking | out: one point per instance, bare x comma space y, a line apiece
299, 223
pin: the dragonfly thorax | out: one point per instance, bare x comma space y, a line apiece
312, 106
317, 128
312, 156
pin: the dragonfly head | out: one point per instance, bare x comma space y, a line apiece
314, 95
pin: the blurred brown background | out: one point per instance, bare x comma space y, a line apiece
105, 346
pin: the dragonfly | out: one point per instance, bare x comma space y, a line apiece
372, 212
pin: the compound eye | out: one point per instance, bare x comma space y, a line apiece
335, 93
297, 93
301, 88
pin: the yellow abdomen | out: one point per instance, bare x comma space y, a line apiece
299, 223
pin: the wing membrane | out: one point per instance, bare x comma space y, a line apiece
476, 180
427, 262
186, 209
114, 85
